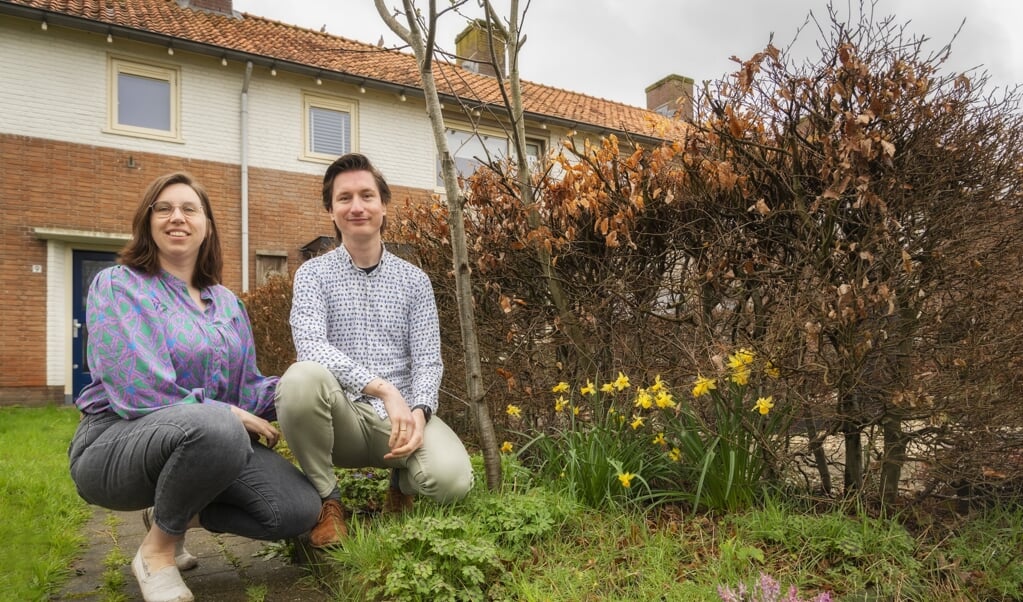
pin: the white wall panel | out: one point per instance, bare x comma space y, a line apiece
51, 83
275, 122
58, 355
397, 137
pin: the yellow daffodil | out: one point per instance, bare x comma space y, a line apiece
659, 439
607, 388
740, 376
622, 382
675, 454
664, 400
637, 421
589, 389
560, 403
771, 370
643, 400
625, 478
740, 359
703, 386
764, 405
658, 384
561, 387
507, 447
514, 411
575, 410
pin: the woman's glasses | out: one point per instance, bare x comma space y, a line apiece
164, 210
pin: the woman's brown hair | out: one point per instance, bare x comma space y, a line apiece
142, 253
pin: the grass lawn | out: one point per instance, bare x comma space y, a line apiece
534, 542
41, 515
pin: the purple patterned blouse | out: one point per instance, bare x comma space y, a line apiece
151, 347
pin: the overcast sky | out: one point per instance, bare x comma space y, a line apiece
614, 49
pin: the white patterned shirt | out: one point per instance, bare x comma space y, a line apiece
361, 326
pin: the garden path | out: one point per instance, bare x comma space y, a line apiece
231, 568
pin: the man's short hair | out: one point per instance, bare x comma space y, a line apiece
352, 162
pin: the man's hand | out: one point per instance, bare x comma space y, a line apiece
257, 426
410, 439
407, 427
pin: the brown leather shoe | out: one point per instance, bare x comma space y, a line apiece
330, 529
397, 502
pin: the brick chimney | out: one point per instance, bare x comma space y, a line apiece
223, 7
473, 49
671, 96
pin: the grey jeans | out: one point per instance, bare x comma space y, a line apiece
187, 460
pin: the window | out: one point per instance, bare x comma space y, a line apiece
144, 100
470, 151
534, 150
270, 264
330, 126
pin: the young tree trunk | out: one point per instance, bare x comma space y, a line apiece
894, 459
820, 458
422, 48
895, 438
852, 434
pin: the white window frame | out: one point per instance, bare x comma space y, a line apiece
330, 103
168, 73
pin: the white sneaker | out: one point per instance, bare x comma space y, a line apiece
164, 585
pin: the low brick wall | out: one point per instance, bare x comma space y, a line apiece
31, 396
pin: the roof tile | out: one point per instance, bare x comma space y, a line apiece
279, 41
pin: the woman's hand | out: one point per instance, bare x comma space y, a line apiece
257, 426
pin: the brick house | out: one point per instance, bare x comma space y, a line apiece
99, 97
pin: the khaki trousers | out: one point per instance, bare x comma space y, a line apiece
325, 429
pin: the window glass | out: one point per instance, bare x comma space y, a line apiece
329, 131
143, 99
143, 102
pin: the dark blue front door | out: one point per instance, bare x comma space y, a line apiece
86, 264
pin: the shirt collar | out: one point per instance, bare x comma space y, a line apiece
179, 284
346, 258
